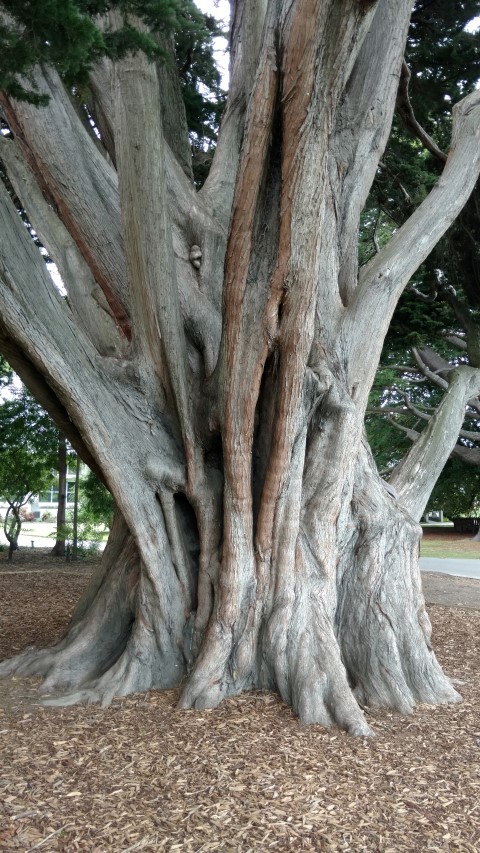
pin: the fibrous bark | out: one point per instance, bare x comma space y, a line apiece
254, 543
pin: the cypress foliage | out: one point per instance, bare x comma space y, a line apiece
63, 33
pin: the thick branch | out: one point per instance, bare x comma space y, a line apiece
416, 475
158, 334
363, 124
78, 181
42, 392
406, 113
384, 278
37, 318
253, 18
218, 190
456, 341
85, 296
193, 221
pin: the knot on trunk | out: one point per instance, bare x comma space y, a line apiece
195, 256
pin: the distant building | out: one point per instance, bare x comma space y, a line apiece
47, 501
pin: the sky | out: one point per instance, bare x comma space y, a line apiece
221, 11
473, 26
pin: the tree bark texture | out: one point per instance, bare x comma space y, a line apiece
221, 389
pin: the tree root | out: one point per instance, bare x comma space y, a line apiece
382, 625
307, 666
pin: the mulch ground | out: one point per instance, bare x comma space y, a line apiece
247, 776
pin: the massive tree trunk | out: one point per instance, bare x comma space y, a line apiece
220, 390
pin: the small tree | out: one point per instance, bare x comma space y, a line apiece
27, 448
58, 549
97, 503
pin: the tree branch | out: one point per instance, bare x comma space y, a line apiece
384, 278
471, 327
42, 392
78, 181
456, 341
363, 124
415, 476
406, 113
86, 299
253, 19
37, 332
469, 435
218, 190
432, 365
418, 412
59, 363
470, 455
158, 333
412, 434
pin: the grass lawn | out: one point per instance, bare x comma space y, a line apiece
444, 542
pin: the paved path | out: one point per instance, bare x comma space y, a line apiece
460, 568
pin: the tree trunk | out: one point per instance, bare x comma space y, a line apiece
12, 527
254, 545
58, 549
75, 509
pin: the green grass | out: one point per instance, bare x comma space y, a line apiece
444, 543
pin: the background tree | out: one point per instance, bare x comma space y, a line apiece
59, 549
27, 457
97, 503
213, 359
5, 373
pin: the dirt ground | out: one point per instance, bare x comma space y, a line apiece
141, 775
451, 591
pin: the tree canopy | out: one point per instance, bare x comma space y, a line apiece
28, 448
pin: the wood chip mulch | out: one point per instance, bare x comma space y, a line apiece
246, 776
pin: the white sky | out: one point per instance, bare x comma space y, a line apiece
221, 11
473, 25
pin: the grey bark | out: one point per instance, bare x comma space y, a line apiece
254, 544
415, 476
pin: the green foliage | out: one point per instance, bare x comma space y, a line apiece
28, 446
54, 31
89, 536
6, 372
202, 94
28, 443
96, 503
444, 61
95, 516
457, 491
62, 33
